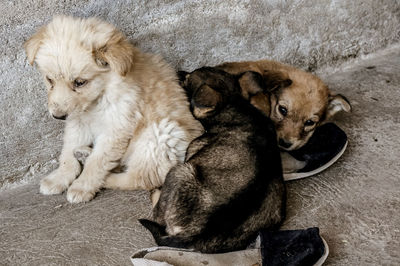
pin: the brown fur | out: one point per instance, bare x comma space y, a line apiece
230, 185
303, 94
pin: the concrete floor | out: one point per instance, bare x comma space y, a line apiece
355, 203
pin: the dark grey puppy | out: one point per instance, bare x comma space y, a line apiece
231, 184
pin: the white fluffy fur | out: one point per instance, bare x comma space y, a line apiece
130, 108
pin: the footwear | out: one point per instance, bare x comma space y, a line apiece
324, 148
291, 247
166, 256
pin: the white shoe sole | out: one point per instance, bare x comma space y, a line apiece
247, 255
325, 255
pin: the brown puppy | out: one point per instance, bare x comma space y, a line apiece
297, 101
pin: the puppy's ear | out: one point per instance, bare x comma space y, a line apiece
33, 44
276, 80
251, 83
182, 75
336, 104
205, 101
182, 79
117, 53
252, 86
262, 103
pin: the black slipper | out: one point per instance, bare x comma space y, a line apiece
324, 148
293, 247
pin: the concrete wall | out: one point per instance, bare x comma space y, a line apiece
309, 34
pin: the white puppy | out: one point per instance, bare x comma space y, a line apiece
125, 103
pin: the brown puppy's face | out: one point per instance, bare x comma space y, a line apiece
77, 58
299, 108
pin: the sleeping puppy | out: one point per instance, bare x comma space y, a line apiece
297, 103
124, 103
231, 184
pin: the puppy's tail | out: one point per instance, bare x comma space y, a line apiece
162, 238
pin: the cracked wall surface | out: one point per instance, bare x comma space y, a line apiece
309, 34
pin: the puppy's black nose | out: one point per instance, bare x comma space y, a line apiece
60, 117
284, 144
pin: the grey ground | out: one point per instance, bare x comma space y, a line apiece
355, 202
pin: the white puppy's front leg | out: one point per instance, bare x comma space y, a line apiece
105, 156
69, 168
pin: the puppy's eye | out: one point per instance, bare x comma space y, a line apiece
79, 83
282, 110
309, 123
50, 80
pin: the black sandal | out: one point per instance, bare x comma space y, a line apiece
324, 148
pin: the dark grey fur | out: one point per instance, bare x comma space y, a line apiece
231, 184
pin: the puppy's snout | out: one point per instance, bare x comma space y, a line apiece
284, 144
60, 117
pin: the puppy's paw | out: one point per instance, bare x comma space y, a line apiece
54, 183
155, 196
82, 153
290, 164
78, 193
